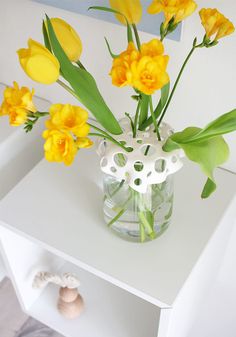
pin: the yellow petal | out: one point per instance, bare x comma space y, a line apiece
41, 69
132, 9
68, 38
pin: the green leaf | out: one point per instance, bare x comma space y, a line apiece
222, 125
162, 102
143, 109
107, 9
84, 86
165, 93
208, 189
208, 153
46, 38
109, 49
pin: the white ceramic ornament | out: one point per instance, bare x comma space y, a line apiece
137, 168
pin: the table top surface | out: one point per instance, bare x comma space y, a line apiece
61, 208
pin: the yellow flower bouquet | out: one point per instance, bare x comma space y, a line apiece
139, 153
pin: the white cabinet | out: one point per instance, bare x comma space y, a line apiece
53, 220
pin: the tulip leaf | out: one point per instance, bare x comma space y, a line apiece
208, 188
84, 86
222, 125
162, 102
46, 38
109, 49
107, 9
143, 109
208, 153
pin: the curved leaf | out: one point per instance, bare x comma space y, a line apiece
109, 49
162, 102
208, 153
84, 86
220, 126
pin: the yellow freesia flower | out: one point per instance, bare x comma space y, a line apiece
179, 9
59, 146
149, 73
144, 70
17, 103
68, 38
152, 48
69, 118
84, 142
38, 63
215, 23
132, 9
120, 72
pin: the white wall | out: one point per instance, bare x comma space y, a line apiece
207, 88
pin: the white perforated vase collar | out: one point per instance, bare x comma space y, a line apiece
147, 164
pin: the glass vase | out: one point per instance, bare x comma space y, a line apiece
136, 216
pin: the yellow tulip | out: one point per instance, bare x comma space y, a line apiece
59, 146
17, 103
215, 23
179, 9
68, 38
69, 118
38, 63
132, 9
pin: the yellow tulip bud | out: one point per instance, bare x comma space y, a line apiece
179, 9
68, 39
132, 9
17, 103
215, 23
38, 63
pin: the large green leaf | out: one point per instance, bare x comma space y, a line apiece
84, 86
208, 153
220, 126
162, 102
108, 9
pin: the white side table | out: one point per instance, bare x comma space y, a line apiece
18, 153
52, 220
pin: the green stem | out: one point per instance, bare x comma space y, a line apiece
111, 139
176, 83
154, 119
79, 63
136, 36
118, 188
67, 88
136, 119
118, 215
